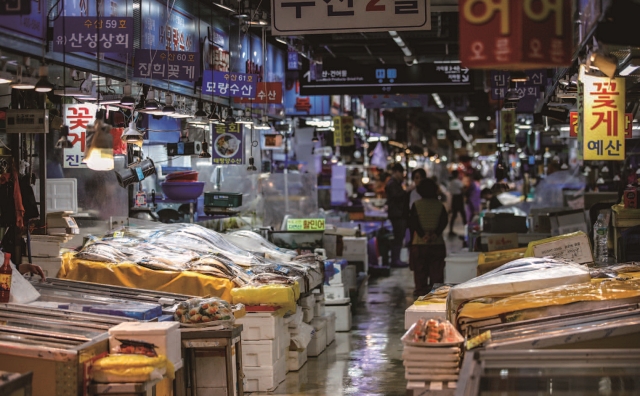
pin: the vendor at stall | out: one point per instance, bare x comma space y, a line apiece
397, 210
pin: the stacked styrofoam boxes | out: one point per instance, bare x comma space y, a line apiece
45, 250
342, 311
331, 327
265, 344
319, 339
356, 249
308, 306
297, 353
319, 307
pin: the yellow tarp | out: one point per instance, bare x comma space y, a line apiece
596, 290
281, 296
135, 276
492, 260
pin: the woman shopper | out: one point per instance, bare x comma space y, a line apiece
427, 222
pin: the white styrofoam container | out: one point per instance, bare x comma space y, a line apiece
350, 277
46, 245
267, 378
331, 327
211, 371
62, 195
283, 339
416, 312
319, 310
354, 247
307, 314
338, 277
319, 296
318, 341
308, 301
297, 359
461, 267
336, 292
343, 316
260, 353
50, 265
260, 326
164, 335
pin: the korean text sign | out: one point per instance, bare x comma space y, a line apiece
171, 65
77, 117
93, 34
343, 131
234, 85
341, 16
604, 118
267, 93
515, 34
508, 126
574, 120
227, 144
305, 225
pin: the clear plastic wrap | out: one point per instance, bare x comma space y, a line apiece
200, 312
253, 242
432, 332
302, 336
131, 368
550, 192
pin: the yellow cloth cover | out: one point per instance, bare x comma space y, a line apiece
274, 295
135, 276
596, 290
132, 366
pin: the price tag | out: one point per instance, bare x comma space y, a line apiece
576, 248
502, 241
118, 234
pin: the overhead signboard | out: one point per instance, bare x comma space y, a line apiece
508, 126
172, 65
604, 118
15, 7
267, 93
362, 80
92, 34
305, 224
515, 34
343, 16
343, 131
574, 119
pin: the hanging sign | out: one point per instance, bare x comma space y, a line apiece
573, 125
338, 16
305, 224
267, 93
15, 7
77, 117
515, 34
171, 65
93, 34
604, 118
227, 145
293, 59
233, 85
508, 126
343, 131
165, 27
31, 24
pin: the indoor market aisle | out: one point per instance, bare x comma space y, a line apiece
367, 360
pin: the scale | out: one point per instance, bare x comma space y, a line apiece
222, 203
61, 223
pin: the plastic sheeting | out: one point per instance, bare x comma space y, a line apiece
132, 275
550, 191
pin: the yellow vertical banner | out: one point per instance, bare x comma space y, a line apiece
337, 131
508, 126
347, 131
604, 118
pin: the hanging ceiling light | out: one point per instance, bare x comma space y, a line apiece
315, 137
99, 157
214, 118
200, 112
224, 5
44, 85
230, 118
205, 148
132, 135
64, 141
519, 76
23, 82
263, 124
252, 165
151, 103
168, 105
127, 99
243, 119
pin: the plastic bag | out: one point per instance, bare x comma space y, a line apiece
197, 312
432, 332
301, 336
131, 368
22, 292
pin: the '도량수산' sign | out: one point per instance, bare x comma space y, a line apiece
341, 16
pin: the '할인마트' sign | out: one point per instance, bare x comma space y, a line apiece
343, 16
604, 118
93, 34
233, 85
305, 224
172, 65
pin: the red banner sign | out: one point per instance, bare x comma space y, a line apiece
515, 34
267, 93
573, 124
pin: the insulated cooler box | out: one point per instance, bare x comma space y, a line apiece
164, 335
319, 339
461, 267
258, 326
267, 378
297, 359
343, 314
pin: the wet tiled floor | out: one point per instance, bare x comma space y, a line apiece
367, 360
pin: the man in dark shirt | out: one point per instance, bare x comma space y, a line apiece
397, 210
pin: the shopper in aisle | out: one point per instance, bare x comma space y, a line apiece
474, 198
417, 176
427, 221
456, 189
397, 211
491, 198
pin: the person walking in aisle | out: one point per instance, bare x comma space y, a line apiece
427, 221
417, 176
397, 211
456, 189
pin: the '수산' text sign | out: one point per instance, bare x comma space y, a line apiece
231, 85
343, 16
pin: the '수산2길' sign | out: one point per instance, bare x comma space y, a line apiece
342, 16
233, 85
92, 34
173, 65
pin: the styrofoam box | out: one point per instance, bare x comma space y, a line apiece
343, 316
331, 327
461, 267
50, 265
308, 301
336, 292
265, 379
297, 359
319, 311
338, 277
260, 353
165, 335
283, 339
416, 312
260, 326
350, 277
319, 339
319, 296
354, 248
62, 194
307, 314
211, 371
46, 245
